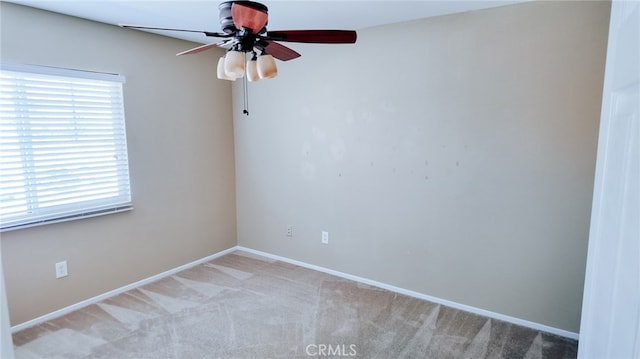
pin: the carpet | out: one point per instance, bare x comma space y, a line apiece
244, 306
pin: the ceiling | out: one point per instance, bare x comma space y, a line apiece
283, 14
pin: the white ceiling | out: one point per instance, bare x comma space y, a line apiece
283, 14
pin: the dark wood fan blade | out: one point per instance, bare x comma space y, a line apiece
195, 50
314, 36
211, 34
280, 52
248, 17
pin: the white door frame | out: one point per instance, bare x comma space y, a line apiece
610, 326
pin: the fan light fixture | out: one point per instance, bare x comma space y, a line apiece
267, 67
222, 75
252, 69
232, 66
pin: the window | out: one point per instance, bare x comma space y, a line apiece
63, 150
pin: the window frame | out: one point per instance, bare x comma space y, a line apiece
86, 207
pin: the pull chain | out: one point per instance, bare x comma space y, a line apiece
245, 90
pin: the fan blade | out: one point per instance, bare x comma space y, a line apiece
207, 33
314, 36
280, 52
248, 17
203, 48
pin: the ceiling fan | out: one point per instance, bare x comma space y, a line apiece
244, 31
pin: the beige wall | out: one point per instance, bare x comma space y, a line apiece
180, 138
453, 156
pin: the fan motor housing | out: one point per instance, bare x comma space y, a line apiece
226, 20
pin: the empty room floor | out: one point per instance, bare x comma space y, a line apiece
245, 306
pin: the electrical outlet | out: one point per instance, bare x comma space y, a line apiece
325, 237
289, 231
61, 269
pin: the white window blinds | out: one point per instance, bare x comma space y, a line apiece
63, 150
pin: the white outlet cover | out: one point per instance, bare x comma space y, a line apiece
61, 269
325, 237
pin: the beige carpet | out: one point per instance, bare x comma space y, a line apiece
243, 306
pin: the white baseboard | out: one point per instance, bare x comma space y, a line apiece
111, 293
463, 307
448, 303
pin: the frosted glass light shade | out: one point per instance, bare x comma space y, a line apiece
267, 67
234, 64
222, 75
252, 71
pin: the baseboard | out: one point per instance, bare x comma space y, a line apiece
111, 293
463, 307
448, 303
